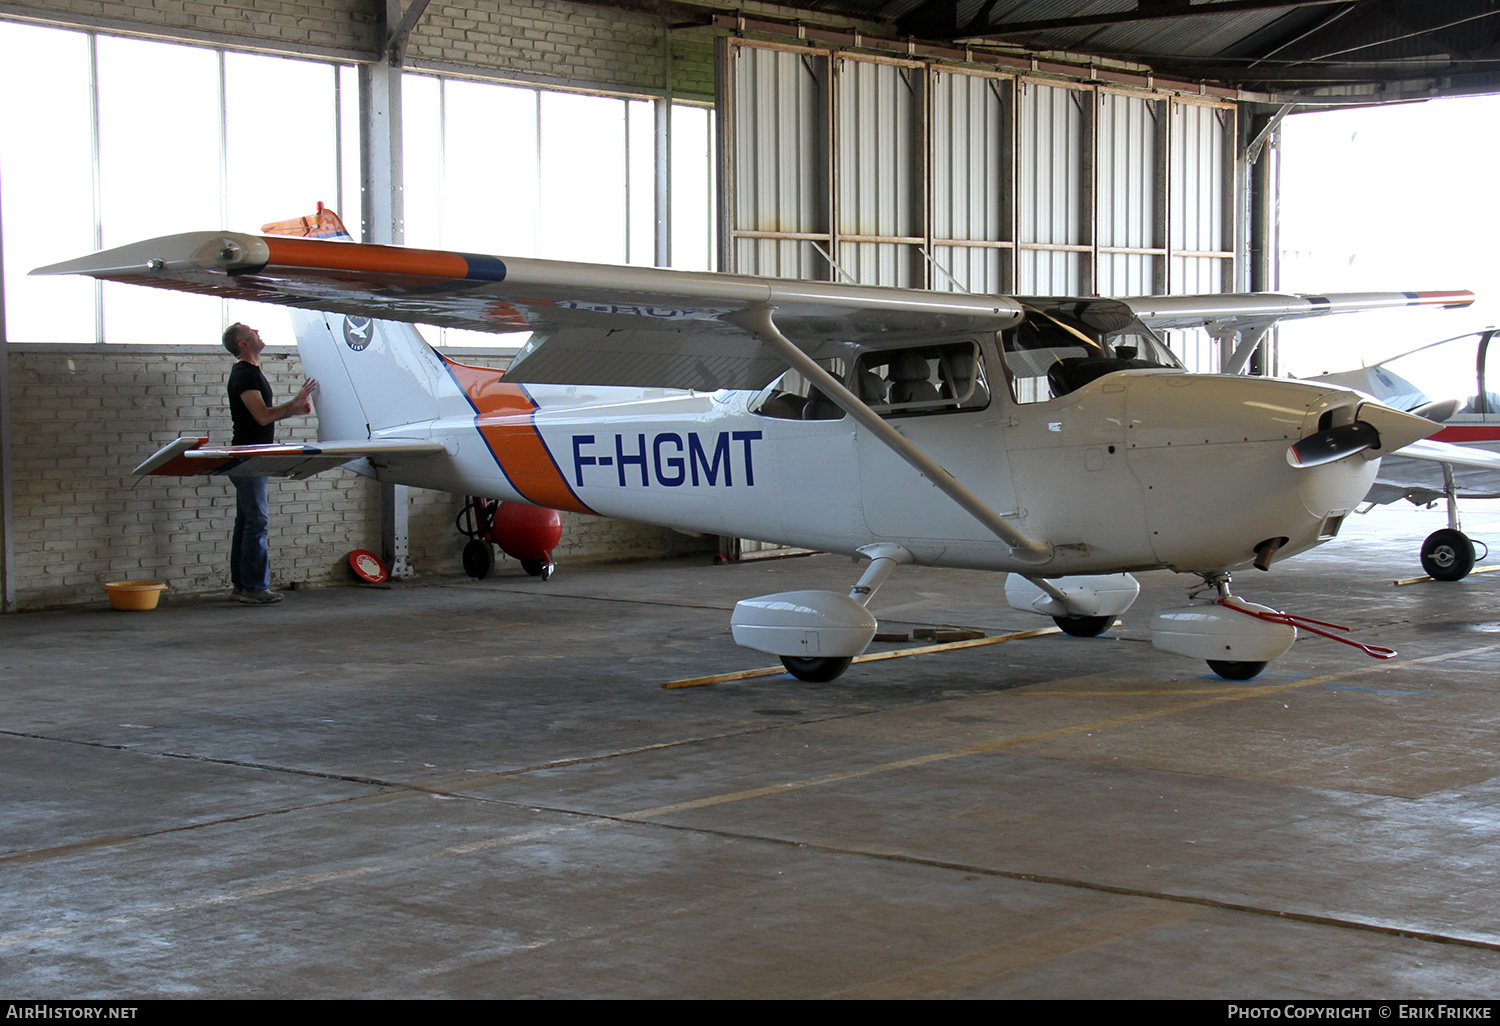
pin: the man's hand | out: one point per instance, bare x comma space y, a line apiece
303, 401
297, 406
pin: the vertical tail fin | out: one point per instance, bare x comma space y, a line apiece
372, 375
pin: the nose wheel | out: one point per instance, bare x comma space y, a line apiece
1447, 555
816, 670
1236, 638
1230, 670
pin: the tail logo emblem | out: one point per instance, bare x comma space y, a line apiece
358, 331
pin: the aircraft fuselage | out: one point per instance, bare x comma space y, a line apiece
1113, 475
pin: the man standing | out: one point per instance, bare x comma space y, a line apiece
254, 424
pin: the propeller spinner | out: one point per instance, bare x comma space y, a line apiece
1378, 427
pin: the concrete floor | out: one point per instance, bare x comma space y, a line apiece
480, 789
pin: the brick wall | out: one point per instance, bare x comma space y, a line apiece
83, 416
550, 41
323, 26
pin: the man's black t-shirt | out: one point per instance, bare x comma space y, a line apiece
246, 377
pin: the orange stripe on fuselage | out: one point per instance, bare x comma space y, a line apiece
505, 422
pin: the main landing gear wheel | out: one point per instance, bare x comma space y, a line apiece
1447, 555
539, 568
1231, 670
817, 670
479, 559
1084, 626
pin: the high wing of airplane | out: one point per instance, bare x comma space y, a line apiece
1446, 382
1057, 439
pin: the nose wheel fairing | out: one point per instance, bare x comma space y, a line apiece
1235, 646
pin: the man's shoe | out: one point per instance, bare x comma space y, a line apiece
259, 598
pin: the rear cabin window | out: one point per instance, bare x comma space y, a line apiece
945, 378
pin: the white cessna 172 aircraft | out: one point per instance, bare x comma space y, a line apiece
1057, 439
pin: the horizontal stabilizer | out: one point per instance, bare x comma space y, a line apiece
191, 456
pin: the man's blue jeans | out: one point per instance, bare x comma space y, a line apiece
249, 560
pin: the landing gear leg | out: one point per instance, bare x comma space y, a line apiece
1231, 669
820, 670
1218, 630
817, 634
1448, 555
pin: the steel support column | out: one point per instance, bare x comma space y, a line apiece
383, 214
7, 493
662, 178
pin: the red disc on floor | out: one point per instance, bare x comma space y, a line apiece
368, 566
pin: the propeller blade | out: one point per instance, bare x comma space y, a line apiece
1333, 444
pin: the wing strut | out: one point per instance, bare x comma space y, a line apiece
759, 322
1243, 343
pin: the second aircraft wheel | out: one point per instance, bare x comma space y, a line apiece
479, 559
1447, 555
539, 568
1084, 626
817, 670
1232, 670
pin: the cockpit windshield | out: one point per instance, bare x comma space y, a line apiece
1063, 344
1439, 380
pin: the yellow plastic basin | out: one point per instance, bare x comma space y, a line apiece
134, 594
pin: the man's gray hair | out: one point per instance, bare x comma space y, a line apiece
232, 336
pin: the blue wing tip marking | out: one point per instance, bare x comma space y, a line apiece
484, 268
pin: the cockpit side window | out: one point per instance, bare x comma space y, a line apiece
793, 397
1059, 349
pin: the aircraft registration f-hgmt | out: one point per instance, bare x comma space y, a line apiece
1057, 439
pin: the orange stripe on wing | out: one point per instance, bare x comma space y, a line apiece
505, 421
341, 256
181, 466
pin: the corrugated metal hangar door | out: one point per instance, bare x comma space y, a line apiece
912, 173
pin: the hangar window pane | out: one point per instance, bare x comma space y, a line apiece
583, 173
693, 237
523, 171
159, 174
46, 181
126, 139
99, 157
422, 164
281, 145
640, 131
